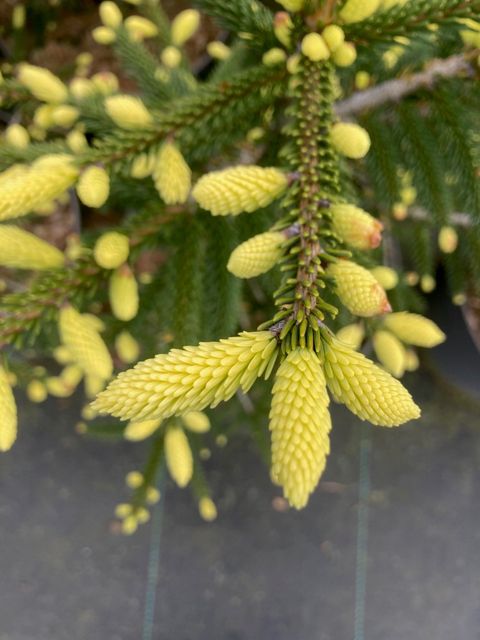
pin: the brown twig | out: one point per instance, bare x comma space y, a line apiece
395, 90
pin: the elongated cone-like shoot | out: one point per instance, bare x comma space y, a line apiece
110, 14
352, 334
358, 10
386, 276
42, 83
390, 352
17, 136
8, 413
127, 347
218, 50
171, 57
300, 424
36, 391
350, 140
427, 283
140, 28
207, 509
141, 430
123, 294
362, 80
58, 388
314, 47
196, 421
172, 175
111, 250
274, 56
448, 239
282, 27
18, 16
84, 343
356, 227
368, 391
106, 83
334, 36
184, 25
408, 195
143, 165
414, 329
256, 255
134, 479
82, 88
64, 115
189, 379
128, 112
21, 249
411, 360
358, 290
345, 55
470, 36
104, 35
244, 188
24, 188
178, 455
93, 187
72, 375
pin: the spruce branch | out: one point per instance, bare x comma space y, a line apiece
153, 10
21, 314
315, 185
249, 19
195, 120
318, 182
383, 160
12, 93
215, 115
415, 15
10, 154
396, 90
454, 123
419, 145
141, 65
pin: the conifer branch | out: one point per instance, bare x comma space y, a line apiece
22, 313
250, 19
10, 154
200, 121
395, 90
414, 16
316, 184
193, 119
141, 65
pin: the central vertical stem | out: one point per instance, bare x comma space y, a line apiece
315, 185
318, 184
